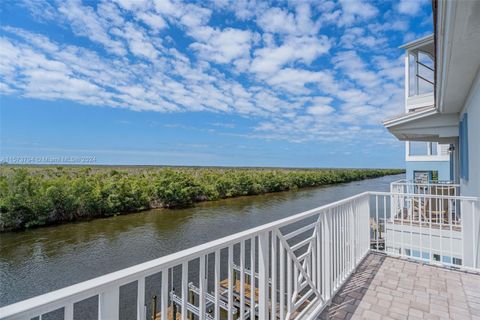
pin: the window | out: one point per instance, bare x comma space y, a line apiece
463, 142
425, 255
407, 252
420, 148
425, 176
436, 257
457, 261
446, 259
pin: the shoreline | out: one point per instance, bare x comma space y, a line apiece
67, 195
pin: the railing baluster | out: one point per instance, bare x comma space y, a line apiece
202, 288
342, 243
376, 221
385, 223
440, 210
217, 284
184, 290
474, 236
295, 280
263, 275
402, 230
282, 282
422, 202
252, 278
334, 250
141, 298
430, 228
68, 312
289, 286
242, 280
108, 304
450, 215
412, 206
273, 296
164, 297
230, 282
319, 258
328, 259
337, 246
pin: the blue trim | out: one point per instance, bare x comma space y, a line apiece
463, 142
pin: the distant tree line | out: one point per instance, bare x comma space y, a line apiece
37, 196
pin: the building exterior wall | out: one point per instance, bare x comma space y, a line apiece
471, 187
443, 168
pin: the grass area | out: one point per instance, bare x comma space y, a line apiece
43, 195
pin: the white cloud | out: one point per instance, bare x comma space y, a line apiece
131, 4
294, 80
354, 68
272, 58
278, 20
224, 46
410, 7
354, 10
153, 20
320, 110
138, 43
86, 22
172, 56
42, 10
356, 37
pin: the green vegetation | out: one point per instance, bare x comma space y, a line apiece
43, 195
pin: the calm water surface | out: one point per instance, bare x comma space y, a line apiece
37, 261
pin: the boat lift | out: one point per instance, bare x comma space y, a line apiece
176, 300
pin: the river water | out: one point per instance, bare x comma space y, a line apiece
37, 261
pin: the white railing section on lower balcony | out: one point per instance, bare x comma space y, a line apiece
432, 228
288, 269
443, 188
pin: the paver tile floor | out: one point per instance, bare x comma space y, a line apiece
389, 288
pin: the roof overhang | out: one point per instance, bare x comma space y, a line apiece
457, 52
426, 124
424, 44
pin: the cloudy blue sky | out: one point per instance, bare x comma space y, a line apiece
236, 83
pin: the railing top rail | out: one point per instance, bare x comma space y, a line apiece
436, 183
91, 287
433, 196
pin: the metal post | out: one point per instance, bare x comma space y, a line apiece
154, 307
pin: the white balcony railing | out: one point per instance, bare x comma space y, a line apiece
444, 188
436, 229
288, 269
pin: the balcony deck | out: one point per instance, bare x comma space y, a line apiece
303, 263
390, 288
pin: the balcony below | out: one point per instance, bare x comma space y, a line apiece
416, 102
390, 288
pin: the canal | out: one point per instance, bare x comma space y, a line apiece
37, 261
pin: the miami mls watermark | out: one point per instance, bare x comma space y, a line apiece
49, 160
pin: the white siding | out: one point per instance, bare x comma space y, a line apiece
472, 186
472, 107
